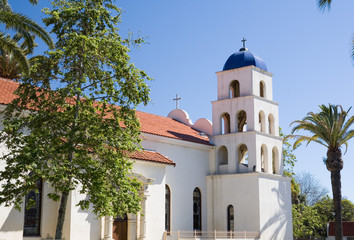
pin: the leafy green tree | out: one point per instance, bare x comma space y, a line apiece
64, 127
23, 26
289, 158
330, 129
305, 221
325, 210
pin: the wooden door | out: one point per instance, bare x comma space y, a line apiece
120, 228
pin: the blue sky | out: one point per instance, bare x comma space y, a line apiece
188, 41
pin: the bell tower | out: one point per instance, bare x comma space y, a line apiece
246, 173
245, 117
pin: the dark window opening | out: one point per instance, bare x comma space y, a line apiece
33, 204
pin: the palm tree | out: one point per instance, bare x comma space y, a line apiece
330, 129
10, 67
23, 25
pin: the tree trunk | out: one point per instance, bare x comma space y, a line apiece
61, 215
337, 201
334, 164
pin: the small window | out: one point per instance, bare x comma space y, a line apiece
167, 208
33, 204
197, 210
225, 123
230, 218
242, 121
234, 89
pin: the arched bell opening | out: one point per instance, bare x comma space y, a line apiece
234, 89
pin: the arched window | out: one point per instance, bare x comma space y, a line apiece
243, 154
262, 89
167, 208
275, 160
271, 124
230, 218
264, 159
225, 123
262, 125
197, 210
242, 121
222, 155
33, 205
234, 89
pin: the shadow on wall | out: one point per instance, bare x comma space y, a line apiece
13, 221
92, 220
187, 137
281, 222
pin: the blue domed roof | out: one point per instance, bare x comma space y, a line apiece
244, 58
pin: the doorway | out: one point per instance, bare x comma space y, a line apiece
120, 228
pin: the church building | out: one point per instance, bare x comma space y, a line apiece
204, 180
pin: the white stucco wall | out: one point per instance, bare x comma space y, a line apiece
275, 207
239, 190
154, 211
82, 224
192, 165
262, 203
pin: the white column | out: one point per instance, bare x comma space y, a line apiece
108, 228
143, 218
138, 224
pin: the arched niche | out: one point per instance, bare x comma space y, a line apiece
222, 156
234, 89
271, 124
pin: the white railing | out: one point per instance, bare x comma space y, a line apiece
210, 235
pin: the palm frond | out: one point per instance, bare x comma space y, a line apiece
328, 127
21, 23
349, 135
300, 138
324, 4
7, 44
33, 2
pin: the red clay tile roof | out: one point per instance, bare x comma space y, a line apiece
151, 156
150, 123
348, 229
7, 87
168, 127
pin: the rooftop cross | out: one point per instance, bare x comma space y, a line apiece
244, 45
177, 99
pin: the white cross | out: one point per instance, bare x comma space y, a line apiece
177, 99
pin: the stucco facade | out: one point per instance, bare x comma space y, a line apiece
224, 175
